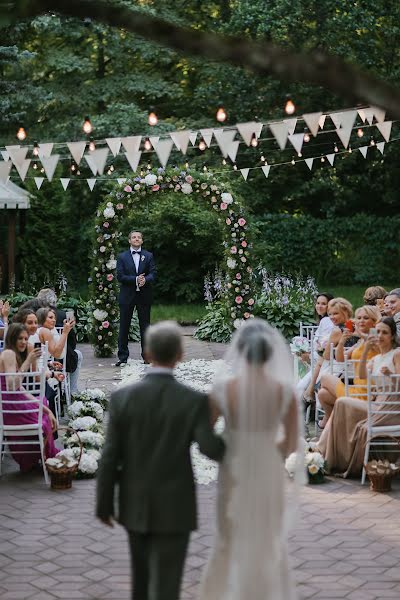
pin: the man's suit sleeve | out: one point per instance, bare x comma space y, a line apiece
210, 444
107, 474
121, 275
151, 275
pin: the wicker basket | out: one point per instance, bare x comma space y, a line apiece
61, 479
380, 482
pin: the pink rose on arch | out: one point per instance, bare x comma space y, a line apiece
127, 189
105, 324
238, 299
223, 206
238, 276
244, 244
119, 206
110, 277
228, 221
250, 302
233, 250
242, 222
106, 224
189, 179
246, 315
155, 188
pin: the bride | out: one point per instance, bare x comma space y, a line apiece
249, 560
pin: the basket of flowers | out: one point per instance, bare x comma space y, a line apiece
63, 467
380, 472
314, 464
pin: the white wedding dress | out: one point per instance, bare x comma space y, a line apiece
250, 559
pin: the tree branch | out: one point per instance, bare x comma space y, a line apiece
262, 58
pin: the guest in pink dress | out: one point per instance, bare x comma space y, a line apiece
16, 358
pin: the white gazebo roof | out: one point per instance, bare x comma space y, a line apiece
12, 196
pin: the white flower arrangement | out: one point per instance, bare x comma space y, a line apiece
314, 464
86, 409
109, 212
299, 345
83, 423
226, 197
88, 438
186, 188
88, 465
59, 461
111, 264
150, 179
100, 315
231, 263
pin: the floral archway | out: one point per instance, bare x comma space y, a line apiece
113, 210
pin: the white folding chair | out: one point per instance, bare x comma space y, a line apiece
34, 384
307, 332
66, 384
381, 386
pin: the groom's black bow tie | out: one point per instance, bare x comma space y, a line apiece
135, 251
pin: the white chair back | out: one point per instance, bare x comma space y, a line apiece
3, 332
66, 384
350, 370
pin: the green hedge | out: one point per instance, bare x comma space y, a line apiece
360, 249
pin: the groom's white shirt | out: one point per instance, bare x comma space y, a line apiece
136, 260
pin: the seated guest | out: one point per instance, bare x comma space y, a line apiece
392, 304
340, 310
4, 313
375, 296
342, 442
332, 387
16, 358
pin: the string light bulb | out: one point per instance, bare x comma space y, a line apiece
148, 166
21, 134
262, 158
306, 137
34, 166
73, 166
78, 172
350, 150
152, 119
87, 126
293, 161
289, 106
372, 142
254, 141
111, 168
186, 165
35, 151
360, 132
92, 145
224, 161
204, 168
221, 115
299, 154
322, 159
202, 145
336, 149
147, 144
235, 167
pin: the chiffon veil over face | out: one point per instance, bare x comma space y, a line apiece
254, 513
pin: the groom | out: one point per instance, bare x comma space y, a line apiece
136, 272
147, 453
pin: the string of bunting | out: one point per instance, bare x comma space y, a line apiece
282, 131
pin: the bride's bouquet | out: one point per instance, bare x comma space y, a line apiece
299, 345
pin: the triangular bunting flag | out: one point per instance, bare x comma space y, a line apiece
23, 169
45, 150
297, 141
331, 158
193, 137
347, 119
181, 140
225, 140
5, 167
163, 150
5, 155
133, 159
385, 129
207, 136
77, 149
321, 121
265, 170
121, 180
336, 119
100, 158
91, 183
369, 114
309, 162
380, 146
364, 150
280, 133
361, 113
64, 182
132, 143
248, 130
291, 123
233, 149
114, 144
312, 120
49, 165
154, 140
245, 172
17, 154
91, 162
38, 181
379, 114
344, 135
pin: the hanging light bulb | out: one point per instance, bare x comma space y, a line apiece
87, 126
202, 145
299, 154
152, 119
42, 170
336, 149
204, 168
111, 168
147, 144
34, 166
322, 159
186, 165
289, 106
254, 140
306, 137
78, 172
360, 132
92, 145
350, 150
293, 161
262, 157
221, 115
148, 166
224, 161
235, 167
372, 142
35, 151
73, 166
21, 134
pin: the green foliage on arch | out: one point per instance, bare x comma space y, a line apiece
237, 293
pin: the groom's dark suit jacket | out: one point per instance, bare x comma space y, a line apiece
126, 275
152, 425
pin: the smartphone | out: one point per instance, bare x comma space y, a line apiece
349, 325
37, 345
373, 331
70, 315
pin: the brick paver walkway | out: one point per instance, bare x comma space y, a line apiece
346, 543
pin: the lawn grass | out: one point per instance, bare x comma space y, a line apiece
185, 314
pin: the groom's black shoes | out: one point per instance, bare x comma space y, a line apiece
119, 363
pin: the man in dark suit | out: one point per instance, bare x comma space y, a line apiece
152, 425
136, 272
